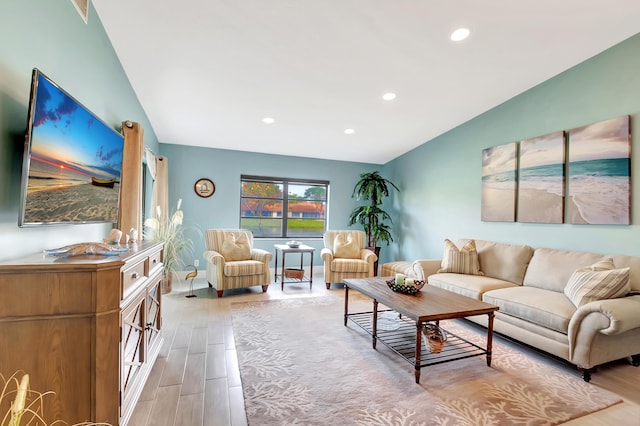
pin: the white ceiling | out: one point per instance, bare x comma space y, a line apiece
208, 71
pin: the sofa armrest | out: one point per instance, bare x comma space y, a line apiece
614, 315
610, 317
261, 255
426, 267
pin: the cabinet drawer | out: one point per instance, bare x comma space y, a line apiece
155, 260
130, 277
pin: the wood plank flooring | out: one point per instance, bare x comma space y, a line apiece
196, 381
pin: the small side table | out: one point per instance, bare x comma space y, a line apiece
285, 249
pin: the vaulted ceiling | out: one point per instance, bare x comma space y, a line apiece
207, 72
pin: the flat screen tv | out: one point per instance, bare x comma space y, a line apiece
72, 161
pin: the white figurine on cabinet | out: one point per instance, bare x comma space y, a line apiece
114, 237
133, 233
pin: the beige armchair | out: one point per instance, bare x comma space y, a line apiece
345, 256
232, 262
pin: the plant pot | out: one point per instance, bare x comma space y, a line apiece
376, 250
167, 282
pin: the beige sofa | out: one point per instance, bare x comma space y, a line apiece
528, 285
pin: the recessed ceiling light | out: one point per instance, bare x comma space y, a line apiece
268, 120
349, 131
460, 34
389, 96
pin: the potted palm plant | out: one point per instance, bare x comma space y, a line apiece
372, 187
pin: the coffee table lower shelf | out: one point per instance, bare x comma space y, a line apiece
403, 341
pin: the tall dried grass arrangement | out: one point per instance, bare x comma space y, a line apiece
27, 405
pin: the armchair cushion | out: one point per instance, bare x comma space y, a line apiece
346, 247
350, 265
243, 268
235, 247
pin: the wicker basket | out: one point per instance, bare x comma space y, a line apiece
294, 273
406, 289
435, 336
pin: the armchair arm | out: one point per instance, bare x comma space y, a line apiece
215, 266
609, 316
261, 255
426, 267
213, 257
368, 256
327, 258
327, 255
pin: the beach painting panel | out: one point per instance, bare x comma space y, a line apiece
541, 179
599, 173
499, 183
75, 163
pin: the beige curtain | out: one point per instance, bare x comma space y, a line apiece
161, 188
130, 211
151, 162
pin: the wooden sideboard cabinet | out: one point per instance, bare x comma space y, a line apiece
85, 327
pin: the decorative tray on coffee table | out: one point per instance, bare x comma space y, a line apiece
404, 288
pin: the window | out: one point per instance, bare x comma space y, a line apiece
263, 201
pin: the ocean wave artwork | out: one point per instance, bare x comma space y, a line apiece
499, 183
599, 173
541, 179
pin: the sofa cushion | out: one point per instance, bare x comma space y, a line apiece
460, 260
550, 269
546, 308
507, 262
345, 246
235, 247
468, 285
587, 285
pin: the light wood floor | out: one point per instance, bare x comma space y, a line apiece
196, 381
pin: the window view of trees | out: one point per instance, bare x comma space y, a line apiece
263, 202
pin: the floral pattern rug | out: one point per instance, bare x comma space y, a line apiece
300, 366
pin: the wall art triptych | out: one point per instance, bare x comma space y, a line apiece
526, 181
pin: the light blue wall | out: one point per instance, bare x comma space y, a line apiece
51, 36
224, 167
440, 180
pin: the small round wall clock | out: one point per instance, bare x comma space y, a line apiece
204, 187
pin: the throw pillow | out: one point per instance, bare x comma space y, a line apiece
345, 246
460, 261
588, 284
603, 265
235, 247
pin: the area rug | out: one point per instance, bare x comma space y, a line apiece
301, 366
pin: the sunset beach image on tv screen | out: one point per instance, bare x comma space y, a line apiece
74, 162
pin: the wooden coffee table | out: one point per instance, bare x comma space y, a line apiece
429, 304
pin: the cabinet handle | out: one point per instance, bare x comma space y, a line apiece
148, 325
155, 261
135, 275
